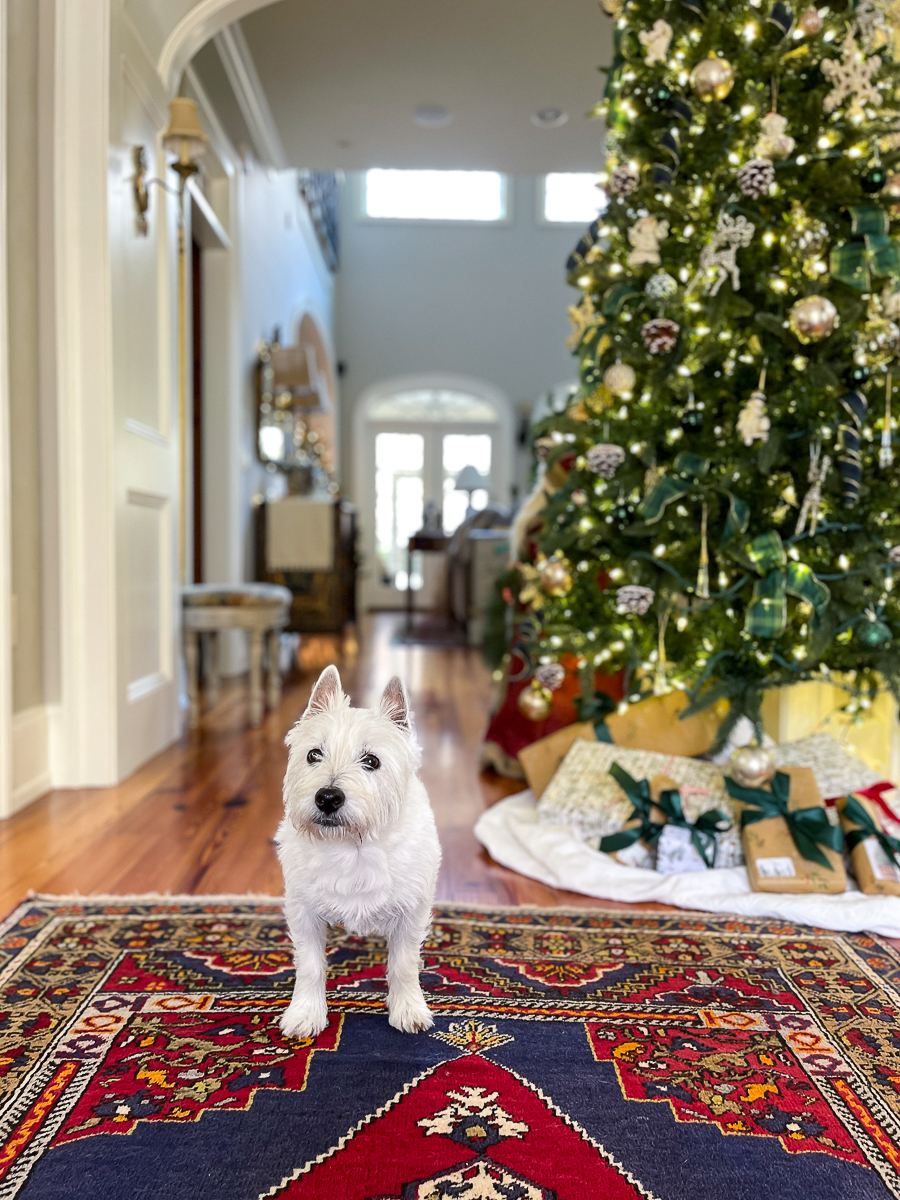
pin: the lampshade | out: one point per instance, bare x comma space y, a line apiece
470, 479
185, 136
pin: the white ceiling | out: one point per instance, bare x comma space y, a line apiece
343, 78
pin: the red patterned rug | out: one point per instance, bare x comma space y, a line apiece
577, 1055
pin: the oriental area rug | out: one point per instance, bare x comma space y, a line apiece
576, 1055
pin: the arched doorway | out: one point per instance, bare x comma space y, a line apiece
415, 435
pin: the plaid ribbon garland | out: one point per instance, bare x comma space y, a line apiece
868, 828
809, 827
767, 610
687, 469
873, 253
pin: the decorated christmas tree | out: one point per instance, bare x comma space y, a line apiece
729, 518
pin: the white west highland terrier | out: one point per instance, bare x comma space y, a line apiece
358, 847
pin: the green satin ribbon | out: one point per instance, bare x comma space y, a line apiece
703, 830
687, 469
767, 610
809, 827
873, 253
638, 792
615, 297
855, 812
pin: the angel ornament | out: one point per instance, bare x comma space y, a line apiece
656, 41
774, 141
645, 235
753, 421
810, 509
718, 260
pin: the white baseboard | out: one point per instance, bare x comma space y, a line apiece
31, 755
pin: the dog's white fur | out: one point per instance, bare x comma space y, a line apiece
375, 872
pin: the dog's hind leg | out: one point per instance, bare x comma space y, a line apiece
407, 1009
307, 1013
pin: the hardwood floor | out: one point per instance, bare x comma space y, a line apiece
199, 817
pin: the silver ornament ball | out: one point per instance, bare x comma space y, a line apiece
751, 766
813, 319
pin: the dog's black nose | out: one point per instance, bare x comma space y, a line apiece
329, 799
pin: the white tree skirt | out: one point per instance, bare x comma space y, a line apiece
553, 854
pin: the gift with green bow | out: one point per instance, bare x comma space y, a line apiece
656, 804
789, 843
874, 854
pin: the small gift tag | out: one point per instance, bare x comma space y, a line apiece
777, 867
882, 867
676, 852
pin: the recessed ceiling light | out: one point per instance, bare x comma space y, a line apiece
432, 116
549, 118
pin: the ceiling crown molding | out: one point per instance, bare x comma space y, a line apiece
198, 26
250, 95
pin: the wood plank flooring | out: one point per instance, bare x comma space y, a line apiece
199, 817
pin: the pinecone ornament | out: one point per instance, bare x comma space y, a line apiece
551, 675
894, 554
632, 598
660, 335
756, 177
605, 459
623, 181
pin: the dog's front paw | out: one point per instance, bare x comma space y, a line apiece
410, 1014
303, 1020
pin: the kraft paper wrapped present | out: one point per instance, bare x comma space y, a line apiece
583, 795
789, 843
652, 724
874, 854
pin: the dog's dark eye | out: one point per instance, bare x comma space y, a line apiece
370, 762
315, 756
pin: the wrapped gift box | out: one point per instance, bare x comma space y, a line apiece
837, 771
774, 864
653, 724
583, 795
876, 874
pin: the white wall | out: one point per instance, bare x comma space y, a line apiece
488, 302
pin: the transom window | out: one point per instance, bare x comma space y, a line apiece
433, 405
434, 195
572, 198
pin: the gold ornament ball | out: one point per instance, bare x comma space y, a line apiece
533, 704
880, 341
810, 22
712, 79
892, 188
813, 319
751, 766
619, 378
556, 578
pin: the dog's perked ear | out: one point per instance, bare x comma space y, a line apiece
395, 704
327, 693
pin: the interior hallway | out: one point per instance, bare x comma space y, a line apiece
199, 817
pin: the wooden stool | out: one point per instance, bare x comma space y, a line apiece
260, 608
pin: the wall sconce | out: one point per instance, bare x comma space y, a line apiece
184, 137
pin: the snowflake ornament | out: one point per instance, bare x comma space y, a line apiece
582, 317
720, 256
852, 78
656, 41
